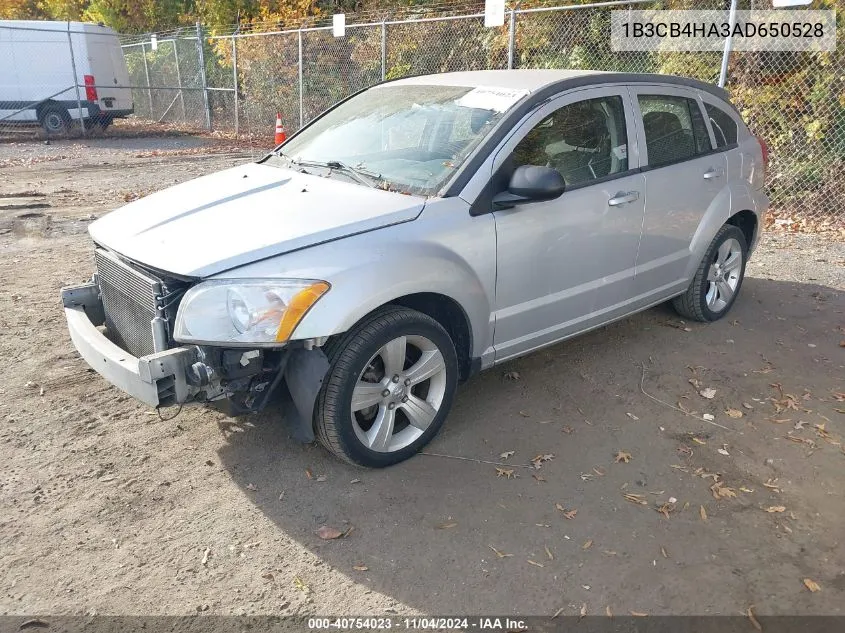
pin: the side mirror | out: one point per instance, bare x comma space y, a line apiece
531, 183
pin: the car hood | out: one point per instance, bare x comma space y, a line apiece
240, 215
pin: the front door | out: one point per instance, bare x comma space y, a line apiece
565, 265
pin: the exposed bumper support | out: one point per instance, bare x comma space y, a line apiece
157, 380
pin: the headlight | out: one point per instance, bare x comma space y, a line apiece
245, 312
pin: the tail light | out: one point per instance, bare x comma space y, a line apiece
90, 88
765, 150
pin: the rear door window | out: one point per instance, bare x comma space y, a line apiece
674, 129
724, 125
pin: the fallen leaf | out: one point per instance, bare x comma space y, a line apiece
747, 406
635, 498
584, 610
599, 471
663, 552
588, 544
549, 553
774, 509
568, 429
665, 509
445, 526
812, 585
538, 460
557, 613
360, 568
539, 478
511, 375
734, 413
498, 553
535, 563
560, 507
251, 487
750, 613
570, 514
699, 441
299, 584
723, 451
608, 612
721, 491
708, 393
355, 481
622, 457
308, 473
507, 473
632, 416
745, 489
328, 533
702, 513
322, 478
506, 454
638, 614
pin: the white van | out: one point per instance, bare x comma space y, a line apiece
37, 82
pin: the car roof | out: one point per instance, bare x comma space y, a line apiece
534, 80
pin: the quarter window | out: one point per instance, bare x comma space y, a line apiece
724, 125
674, 129
584, 141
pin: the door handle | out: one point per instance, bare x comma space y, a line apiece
623, 197
712, 174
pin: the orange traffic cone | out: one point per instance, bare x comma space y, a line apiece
280, 130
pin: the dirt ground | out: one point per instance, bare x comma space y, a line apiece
106, 508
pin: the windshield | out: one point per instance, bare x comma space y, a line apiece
402, 138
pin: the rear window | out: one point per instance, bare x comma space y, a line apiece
724, 125
674, 129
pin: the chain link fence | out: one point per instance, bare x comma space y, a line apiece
236, 82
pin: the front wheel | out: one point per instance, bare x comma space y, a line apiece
718, 279
389, 388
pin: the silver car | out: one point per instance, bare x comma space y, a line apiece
418, 232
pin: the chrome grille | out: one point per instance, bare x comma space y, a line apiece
129, 302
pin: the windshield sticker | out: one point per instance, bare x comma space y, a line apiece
491, 98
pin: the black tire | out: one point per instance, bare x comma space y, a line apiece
349, 356
55, 121
693, 303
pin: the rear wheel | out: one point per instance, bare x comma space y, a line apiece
718, 279
388, 390
55, 120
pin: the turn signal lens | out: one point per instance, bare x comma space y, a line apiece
298, 308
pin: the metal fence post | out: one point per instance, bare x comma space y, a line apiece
201, 58
726, 55
301, 111
235, 80
511, 38
179, 77
383, 50
147, 75
76, 81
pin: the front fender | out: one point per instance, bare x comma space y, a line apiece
445, 251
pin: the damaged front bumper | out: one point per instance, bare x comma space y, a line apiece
158, 379
232, 381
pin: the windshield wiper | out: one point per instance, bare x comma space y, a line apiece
364, 176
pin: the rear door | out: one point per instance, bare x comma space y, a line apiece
684, 177
108, 67
565, 265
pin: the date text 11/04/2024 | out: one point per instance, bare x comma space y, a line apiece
418, 623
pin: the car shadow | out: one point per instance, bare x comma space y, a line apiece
446, 535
